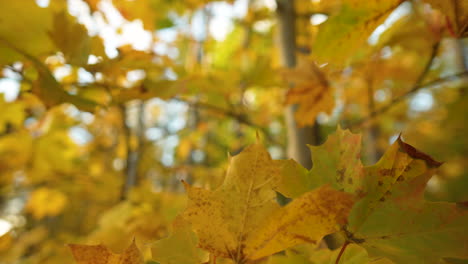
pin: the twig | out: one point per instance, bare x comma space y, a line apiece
416, 87
405, 95
241, 118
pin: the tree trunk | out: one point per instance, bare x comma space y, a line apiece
133, 152
298, 137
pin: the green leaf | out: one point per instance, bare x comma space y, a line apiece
180, 247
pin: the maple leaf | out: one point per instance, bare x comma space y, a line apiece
345, 32
311, 92
46, 202
241, 219
29, 35
180, 247
71, 38
354, 254
457, 15
336, 162
391, 219
48, 89
142, 10
100, 254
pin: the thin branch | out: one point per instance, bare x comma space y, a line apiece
416, 87
241, 118
405, 95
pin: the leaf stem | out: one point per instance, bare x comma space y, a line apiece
341, 252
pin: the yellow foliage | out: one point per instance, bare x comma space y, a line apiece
311, 92
15, 150
5, 242
241, 219
101, 254
45, 202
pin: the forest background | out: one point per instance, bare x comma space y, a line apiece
107, 105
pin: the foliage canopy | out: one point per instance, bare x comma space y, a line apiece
117, 116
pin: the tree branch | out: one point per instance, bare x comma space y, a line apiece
416, 87
405, 95
241, 118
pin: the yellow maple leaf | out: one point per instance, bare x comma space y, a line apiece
311, 92
46, 202
35, 23
100, 254
241, 220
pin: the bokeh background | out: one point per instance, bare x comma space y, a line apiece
107, 105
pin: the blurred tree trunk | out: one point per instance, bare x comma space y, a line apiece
134, 151
298, 137
372, 148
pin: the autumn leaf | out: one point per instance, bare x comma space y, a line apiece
345, 32
51, 92
71, 38
14, 114
138, 10
311, 91
180, 247
421, 233
46, 202
336, 162
84, 254
48, 89
241, 219
354, 254
391, 219
457, 15
26, 25
394, 220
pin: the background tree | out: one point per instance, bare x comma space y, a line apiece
108, 105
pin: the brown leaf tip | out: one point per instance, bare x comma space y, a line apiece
413, 152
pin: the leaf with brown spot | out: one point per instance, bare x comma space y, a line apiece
100, 254
391, 219
241, 220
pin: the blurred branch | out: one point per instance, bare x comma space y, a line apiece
241, 118
417, 86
